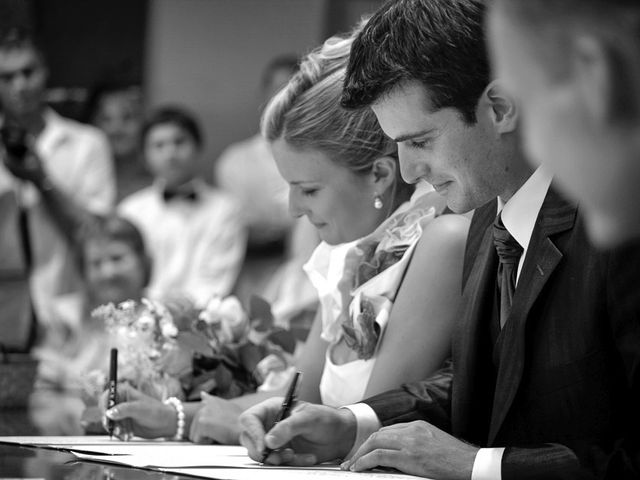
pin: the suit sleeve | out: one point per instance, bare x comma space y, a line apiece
428, 400
620, 458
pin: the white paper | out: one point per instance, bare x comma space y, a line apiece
291, 473
185, 455
226, 462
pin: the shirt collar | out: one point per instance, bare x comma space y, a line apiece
519, 214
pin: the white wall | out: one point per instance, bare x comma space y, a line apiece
208, 55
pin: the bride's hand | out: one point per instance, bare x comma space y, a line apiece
140, 415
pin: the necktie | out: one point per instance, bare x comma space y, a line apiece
509, 251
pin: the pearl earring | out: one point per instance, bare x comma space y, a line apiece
377, 202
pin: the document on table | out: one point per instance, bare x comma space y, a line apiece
204, 461
224, 462
290, 473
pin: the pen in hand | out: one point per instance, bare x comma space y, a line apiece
113, 383
285, 409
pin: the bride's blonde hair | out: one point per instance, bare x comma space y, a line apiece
307, 114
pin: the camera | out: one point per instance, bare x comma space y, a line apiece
14, 139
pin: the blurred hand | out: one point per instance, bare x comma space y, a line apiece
417, 448
140, 415
28, 168
311, 434
216, 422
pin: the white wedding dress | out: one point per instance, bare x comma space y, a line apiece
346, 383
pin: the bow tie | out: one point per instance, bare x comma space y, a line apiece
188, 195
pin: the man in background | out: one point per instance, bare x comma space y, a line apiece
55, 175
248, 171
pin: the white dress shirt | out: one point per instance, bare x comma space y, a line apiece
519, 217
197, 247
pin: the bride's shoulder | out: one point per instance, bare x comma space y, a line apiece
443, 234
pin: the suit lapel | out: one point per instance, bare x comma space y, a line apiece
477, 300
556, 216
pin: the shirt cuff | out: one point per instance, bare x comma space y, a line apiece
367, 423
488, 464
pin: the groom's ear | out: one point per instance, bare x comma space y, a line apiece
500, 106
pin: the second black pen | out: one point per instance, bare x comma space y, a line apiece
285, 409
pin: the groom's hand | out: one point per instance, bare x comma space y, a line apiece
417, 448
311, 434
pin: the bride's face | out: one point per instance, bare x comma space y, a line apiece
338, 202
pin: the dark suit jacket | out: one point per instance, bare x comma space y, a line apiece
564, 396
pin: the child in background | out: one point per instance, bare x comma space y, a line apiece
115, 268
193, 231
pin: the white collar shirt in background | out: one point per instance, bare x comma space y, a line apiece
197, 246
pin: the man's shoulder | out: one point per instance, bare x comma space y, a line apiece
73, 126
59, 127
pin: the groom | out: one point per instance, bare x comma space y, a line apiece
546, 355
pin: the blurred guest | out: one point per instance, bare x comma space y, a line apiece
115, 268
116, 109
574, 67
193, 231
247, 170
294, 300
54, 175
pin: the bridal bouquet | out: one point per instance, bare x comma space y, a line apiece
233, 351
373, 270
172, 348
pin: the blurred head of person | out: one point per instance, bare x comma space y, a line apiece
336, 161
116, 109
422, 66
277, 74
23, 74
172, 144
574, 67
115, 262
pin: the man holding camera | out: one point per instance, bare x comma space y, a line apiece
55, 174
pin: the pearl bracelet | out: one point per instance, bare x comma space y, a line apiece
177, 404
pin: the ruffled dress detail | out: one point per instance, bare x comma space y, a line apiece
357, 283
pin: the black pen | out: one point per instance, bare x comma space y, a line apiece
113, 385
285, 409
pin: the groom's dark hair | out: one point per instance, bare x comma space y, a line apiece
439, 43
